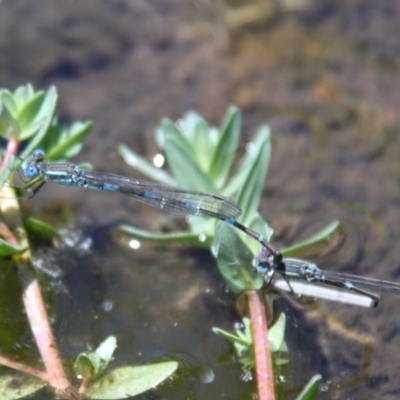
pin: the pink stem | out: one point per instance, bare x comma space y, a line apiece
32, 297
12, 148
263, 359
44, 338
83, 386
24, 368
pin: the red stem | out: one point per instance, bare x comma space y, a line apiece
44, 338
24, 368
83, 386
263, 359
32, 297
12, 148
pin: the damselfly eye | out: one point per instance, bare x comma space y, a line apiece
30, 171
264, 267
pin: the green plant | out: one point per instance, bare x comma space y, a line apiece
201, 157
206, 154
28, 117
243, 341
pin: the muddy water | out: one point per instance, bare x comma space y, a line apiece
325, 79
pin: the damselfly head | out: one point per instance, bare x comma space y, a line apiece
38, 155
264, 268
265, 263
29, 167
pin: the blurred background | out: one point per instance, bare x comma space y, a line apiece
323, 75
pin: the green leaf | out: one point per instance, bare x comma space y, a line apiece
227, 146
61, 142
143, 166
8, 125
91, 364
243, 341
311, 390
22, 94
180, 141
107, 348
236, 182
320, 237
250, 193
125, 382
191, 122
7, 99
245, 352
52, 137
47, 110
70, 141
84, 367
7, 250
164, 129
30, 130
184, 169
234, 259
41, 228
230, 337
244, 334
44, 117
86, 166
31, 110
18, 386
196, 131
276, 334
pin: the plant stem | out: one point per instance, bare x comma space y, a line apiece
33, 300
263, 359
12, 148
24, 368
39, 322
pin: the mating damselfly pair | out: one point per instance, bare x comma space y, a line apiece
297, 276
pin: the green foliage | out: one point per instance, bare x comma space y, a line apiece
232, 256
91, 364
311, 390
125, 382
235, 260
18, 386
320, 237
29, 116
41, 228
7, 249
201, 157
119, 383
244, 343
